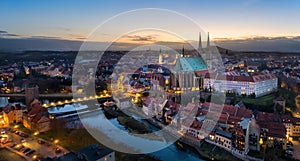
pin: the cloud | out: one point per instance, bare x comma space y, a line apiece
5, 34
151, 38
279, 44
44, 37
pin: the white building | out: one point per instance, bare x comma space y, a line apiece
259, 84
223, 139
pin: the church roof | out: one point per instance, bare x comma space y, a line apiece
190, 64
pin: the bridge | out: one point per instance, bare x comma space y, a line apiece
71, 98
52, 95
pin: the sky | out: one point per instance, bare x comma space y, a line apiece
228, 21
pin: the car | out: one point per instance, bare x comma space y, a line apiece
57, 150
36, 158
4, 140
41, 141
290, 143
17, 132
18, 147
26, 150
30, 152
289, 152
23, 135
13, 145
23, 140
3, 131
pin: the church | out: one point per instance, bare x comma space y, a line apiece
189, 71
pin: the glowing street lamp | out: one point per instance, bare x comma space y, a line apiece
261, 141
16, 126
56, 141
36, 133
34, 157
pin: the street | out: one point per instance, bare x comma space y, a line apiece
296, 149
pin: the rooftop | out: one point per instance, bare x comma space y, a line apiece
90, 153
188, 64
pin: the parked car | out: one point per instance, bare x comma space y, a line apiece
290, 148
57, 150
23, 140
3, 131
26, 150
13, 130
30, 152
290, 143
289, 152
13, 145
23, 135
18, 147
21, 149
41, 141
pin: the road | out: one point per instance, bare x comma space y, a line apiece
296, 149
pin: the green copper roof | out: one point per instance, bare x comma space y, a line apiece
190, 64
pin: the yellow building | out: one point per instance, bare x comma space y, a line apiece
12, 114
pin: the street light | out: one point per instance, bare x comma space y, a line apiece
34, 157
16, 126
56, 141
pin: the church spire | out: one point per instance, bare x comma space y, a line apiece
182, 52
200, 42
208, 41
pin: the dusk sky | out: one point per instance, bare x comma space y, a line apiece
74, 20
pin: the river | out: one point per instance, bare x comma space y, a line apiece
118, 133
169, 153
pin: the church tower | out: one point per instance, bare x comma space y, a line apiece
208, 41
182, 52
200, 43
160, 57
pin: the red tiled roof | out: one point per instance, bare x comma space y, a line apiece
276, 129
234, 119
242, 78
36, 108
201, 73
36, 118
196, 124
242, 112
231, 110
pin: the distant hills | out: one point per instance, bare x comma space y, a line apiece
279, 44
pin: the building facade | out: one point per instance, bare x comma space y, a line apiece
257, 84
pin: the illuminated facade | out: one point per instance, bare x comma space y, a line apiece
258, 84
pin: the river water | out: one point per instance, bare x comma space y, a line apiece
118, 133
169, 153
